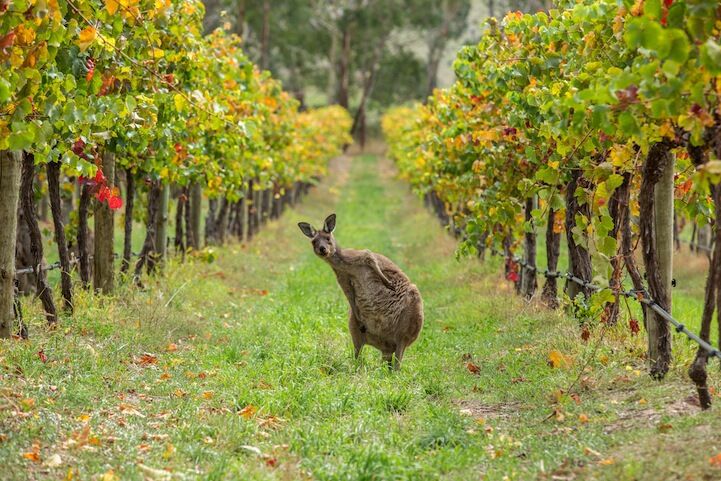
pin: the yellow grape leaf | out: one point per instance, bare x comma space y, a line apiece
112, 6
157, 53
24, 35
87, 37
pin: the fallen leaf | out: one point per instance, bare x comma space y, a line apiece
473, 368
665, 427
556, 359
207, 394
146, 359
252, 449
109, 475
607, 462
54, 461
172, 347
591, 452
169, 450
153, 473
248, 411
715, 460
42, 356
583, 418
585, 334
32, 456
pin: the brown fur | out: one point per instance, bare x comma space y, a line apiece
386, 309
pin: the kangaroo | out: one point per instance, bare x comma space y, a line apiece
386, 309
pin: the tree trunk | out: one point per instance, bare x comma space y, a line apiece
188, 228
10, 166
161, 228
240, 19
103, 262
222, 220
66, 283
129, 206
83, 235
179, 216
656, 230
148, 252
244, 234
27, 198
211, 220
344, 68
615, 283
258, 205
265, 37
196, 209
579, 258
624, 222
529, 273
712, 296
692, 244
553, 251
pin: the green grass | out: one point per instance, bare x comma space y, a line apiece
225, 347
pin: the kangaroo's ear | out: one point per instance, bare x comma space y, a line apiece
329, 224
307, 229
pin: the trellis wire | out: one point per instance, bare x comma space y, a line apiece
643, 298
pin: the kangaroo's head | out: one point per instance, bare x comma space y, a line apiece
323, 241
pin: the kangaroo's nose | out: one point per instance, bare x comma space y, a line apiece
323, 250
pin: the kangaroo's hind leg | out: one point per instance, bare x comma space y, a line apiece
356, 333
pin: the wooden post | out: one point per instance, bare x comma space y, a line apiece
10, 165
656, 233
659, 332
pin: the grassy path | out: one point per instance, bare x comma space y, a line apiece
242, 369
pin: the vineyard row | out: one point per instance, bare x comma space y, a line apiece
109, 105
600, 120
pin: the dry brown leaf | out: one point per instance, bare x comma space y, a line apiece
146, 359
473, 368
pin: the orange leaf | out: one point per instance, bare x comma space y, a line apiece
248, 411
556, 359
715, 460
32, 456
